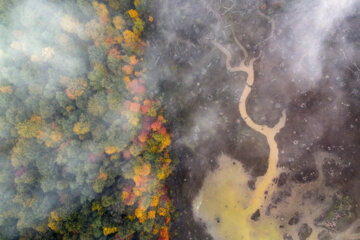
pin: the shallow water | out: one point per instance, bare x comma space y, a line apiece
223, 204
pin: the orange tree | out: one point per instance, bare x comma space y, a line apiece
84, 148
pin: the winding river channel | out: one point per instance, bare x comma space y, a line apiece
225, 202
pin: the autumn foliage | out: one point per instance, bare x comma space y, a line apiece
91, 143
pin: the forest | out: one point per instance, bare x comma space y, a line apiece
84, 147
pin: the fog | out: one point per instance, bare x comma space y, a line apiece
302, 35
303, 66
304, 59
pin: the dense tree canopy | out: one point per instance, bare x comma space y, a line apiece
83, 147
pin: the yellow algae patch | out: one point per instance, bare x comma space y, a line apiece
223, 202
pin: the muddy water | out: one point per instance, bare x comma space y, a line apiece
263, 182
225, 202
222, 205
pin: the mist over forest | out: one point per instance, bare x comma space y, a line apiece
193, 119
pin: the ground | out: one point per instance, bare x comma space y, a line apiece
318, 147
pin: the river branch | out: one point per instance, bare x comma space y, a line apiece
265, 181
